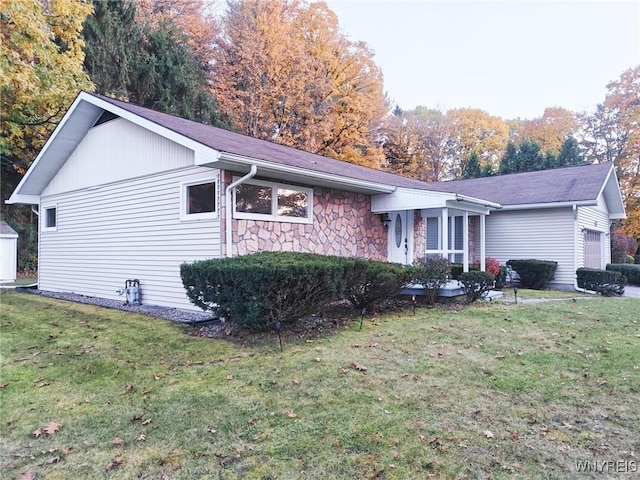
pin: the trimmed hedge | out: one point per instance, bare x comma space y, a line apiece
632, 272
258, 290
476, 283
535, 274
368, 282
605, 282
432, 274
261, 289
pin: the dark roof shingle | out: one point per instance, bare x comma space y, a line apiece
548, 186
570, 184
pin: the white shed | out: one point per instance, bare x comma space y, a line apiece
8, 253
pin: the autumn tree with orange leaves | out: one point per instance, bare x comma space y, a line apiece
612, 134
283, 71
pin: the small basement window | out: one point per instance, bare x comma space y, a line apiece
50, 218
258, 200
199, 200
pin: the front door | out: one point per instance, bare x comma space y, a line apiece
398, 238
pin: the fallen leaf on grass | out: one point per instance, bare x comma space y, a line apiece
359, 367
53, 460
147, 421
128, 388
566, 425
51, 428
488, 433
114, 463
37, 433
137, 417
229, 377
291, 414
89, 442
157, 376
67, 450
3, 385
142, 437
515, 435
28, 475
116, 442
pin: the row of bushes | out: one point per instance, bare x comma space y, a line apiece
631, 271
264, 288
605, 282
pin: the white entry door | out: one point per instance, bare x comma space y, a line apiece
399, 241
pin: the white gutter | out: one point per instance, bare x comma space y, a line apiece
477, 201
229, 208
535, 206
266, 165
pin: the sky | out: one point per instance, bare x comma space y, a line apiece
511, 58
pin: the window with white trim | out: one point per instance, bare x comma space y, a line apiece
199, 201
260, 200
50, 218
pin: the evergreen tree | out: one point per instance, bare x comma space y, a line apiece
570, 154
150, 64
550, 161
472, 167
529, 158
487, 171
509, 161
112, 42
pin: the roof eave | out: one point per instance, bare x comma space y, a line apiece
538, 206
240, 163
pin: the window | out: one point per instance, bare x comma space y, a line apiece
199, 200
50, 218
259, 200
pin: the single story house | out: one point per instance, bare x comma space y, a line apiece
125, 192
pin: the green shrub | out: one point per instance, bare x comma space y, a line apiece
605, 282
258, 290
632, 272
432, 274
457, 269
535, 274
368, 282
501, 278
475, 284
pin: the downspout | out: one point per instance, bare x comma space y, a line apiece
229, 209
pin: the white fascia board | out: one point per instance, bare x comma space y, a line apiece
16, 197
409, 199
610, 191
537, 206
226, 158
23, 199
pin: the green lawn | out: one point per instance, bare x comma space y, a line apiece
487, 391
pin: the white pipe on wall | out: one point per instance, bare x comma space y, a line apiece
229, 209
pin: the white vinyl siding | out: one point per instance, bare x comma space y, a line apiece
126, 230
115, 151
545, 234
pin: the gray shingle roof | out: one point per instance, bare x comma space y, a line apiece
236, 143
549, 186
570, 184
5, 229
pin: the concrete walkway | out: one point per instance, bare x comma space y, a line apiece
631, 291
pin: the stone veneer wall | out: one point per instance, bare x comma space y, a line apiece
342, 225
419, 236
